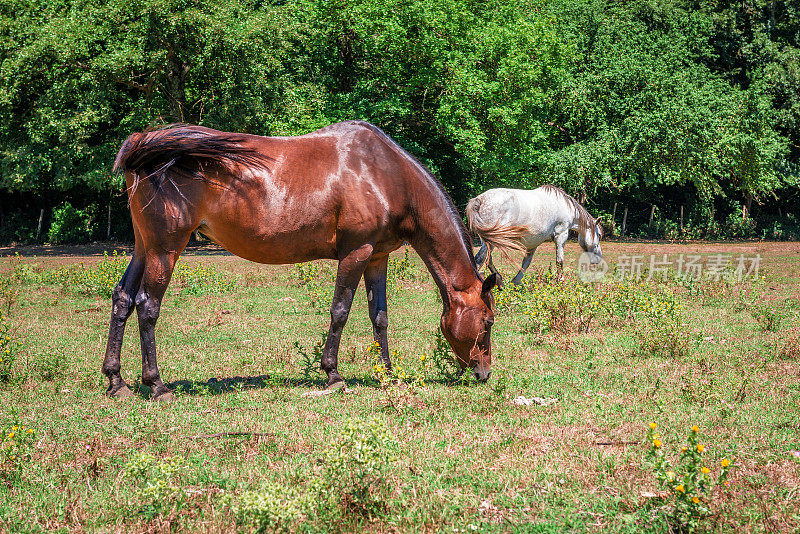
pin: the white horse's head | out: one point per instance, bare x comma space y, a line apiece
589, 240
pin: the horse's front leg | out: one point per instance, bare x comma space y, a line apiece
375, 284
560, 240
494, 270
157, 273
349, 272
526, 262
481, 256
122, 305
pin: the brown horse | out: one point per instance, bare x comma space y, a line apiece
345, 192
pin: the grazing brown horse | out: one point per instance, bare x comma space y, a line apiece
345, 192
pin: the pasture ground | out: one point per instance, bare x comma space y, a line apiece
467, 458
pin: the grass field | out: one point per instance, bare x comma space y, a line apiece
242, 447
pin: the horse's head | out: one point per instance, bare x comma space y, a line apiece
467, 325
589, 240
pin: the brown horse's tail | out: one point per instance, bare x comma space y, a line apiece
183, 150
503, 237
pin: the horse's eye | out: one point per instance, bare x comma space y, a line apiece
490, 321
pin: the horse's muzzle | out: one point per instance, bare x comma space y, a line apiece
482, 375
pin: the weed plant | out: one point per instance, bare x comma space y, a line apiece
158, 491
689, 483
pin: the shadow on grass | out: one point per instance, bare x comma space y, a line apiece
219, 386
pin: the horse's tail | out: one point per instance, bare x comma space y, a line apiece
183, 150
503, 237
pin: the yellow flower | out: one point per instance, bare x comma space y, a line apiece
652, 426
679, 488
701, 448
656, 444
11, 435
725, 462
706, 470
695, 500
30, 431
670, 475
695, 429
683, 449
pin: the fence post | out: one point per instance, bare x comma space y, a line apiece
652, 212
681, 217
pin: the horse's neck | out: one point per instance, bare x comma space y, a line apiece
439, 243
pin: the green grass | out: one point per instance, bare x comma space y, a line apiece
234, 340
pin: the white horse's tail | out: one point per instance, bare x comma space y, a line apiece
504, 237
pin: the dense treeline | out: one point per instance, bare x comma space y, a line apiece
657, 106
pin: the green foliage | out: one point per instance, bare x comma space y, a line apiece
16, 444
311, 276
201, 279
663, 103
353, 486
355, 475
398, 271
70, 225
690, 483
310, 361
157, 490
99, 280
444, 363
274, 508
8, 348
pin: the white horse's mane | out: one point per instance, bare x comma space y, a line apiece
585, 220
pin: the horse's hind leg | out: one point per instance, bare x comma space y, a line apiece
526, 262
375, 284
349, 272
157, 273
122, 307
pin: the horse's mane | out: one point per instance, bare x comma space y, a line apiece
585, 220
448, 201
183, 150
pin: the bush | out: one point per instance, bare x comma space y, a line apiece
739, 227
71, 225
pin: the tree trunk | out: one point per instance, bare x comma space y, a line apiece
624, 221
39, 226
176, 86
748, 199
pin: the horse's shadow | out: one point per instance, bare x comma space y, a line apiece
219, 386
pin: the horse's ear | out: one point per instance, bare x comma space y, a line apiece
489, 283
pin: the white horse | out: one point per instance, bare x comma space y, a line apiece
522, 219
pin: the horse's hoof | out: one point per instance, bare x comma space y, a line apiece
120, 393
167, 396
